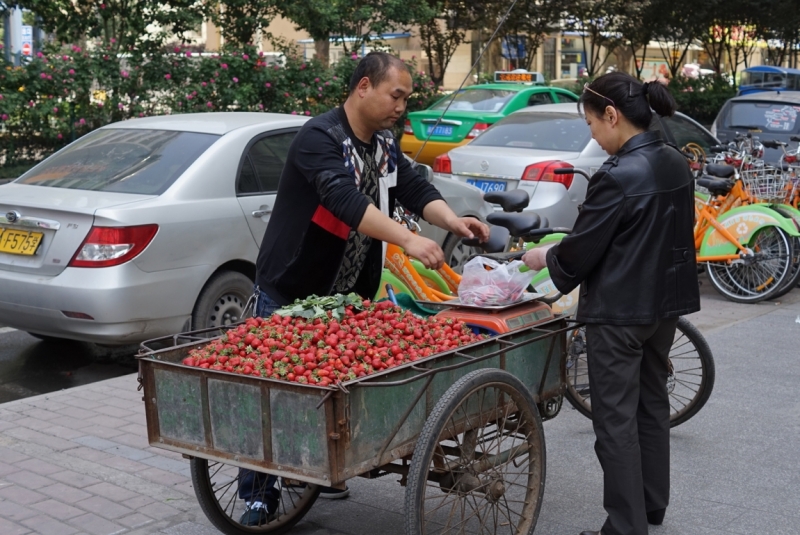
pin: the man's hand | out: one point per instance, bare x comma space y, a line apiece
424, 250
536, 259
469, 227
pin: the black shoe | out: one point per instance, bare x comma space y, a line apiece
591, 533
256, 515
656, 517
334, 494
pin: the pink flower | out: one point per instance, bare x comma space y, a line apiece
327, 83
65, 57
124, 74
168, 76
176, 49
39, 55
316, 79
189, 97
141, 114
76, 48
102, 6
1, 97
203, 84
100, 104
302, 66
72, 72
294, 113
59, 136
319, 95
188, 54
120, 106
82, 121
4, 117
209, 104
319, 89
335, 78
235, 80
308, 112
260, 106
260, 54
286, 94
43, 75
55, 110
211, 81
268, 84
354, 56
113, 40
245, 57
224, 65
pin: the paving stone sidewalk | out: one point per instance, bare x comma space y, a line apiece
78, 461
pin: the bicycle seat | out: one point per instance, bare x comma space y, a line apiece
715, 185
498, 239
720, 170
517, 224
515, 200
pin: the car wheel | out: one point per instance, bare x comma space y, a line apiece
222, 301
456, 253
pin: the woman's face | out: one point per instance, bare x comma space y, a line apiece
604, 129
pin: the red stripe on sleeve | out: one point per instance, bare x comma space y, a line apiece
330, 222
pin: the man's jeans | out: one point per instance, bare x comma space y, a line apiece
257, 486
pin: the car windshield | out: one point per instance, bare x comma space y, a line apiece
490, 100
769, 116
566, 132
121, 160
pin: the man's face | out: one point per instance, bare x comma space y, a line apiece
385, 103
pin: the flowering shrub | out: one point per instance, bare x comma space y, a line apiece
62, 94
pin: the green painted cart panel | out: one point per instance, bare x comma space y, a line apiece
235, 411
180, 415
298, 430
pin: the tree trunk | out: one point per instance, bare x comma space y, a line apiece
322, 49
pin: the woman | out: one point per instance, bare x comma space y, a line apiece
632, 252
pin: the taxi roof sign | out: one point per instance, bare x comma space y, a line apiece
519, 76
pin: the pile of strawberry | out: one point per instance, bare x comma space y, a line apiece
326, 350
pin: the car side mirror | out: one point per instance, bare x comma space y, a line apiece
425, 171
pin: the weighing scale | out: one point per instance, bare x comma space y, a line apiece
495, 319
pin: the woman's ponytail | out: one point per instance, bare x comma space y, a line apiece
660, 99
630, 97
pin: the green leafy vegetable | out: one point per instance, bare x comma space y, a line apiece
317, 307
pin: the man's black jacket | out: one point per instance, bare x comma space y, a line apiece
632, 247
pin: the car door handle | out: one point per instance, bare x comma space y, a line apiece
262, 213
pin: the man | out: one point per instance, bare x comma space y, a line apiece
331, 217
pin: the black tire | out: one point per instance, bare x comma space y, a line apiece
456, 253
222, 300
793, 279
690, 361
216, 486
463, 455
758, 280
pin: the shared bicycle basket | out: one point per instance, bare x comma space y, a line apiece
765, 184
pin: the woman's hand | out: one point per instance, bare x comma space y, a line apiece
536, 259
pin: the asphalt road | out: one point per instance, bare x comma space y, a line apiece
29, 366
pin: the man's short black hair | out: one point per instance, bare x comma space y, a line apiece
375, 66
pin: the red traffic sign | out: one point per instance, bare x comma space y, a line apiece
27, 49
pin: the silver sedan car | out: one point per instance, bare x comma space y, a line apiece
522, 150
149, 227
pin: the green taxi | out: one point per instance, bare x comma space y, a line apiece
473, 110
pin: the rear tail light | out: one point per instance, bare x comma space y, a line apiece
407, 128
112, 246
477, 130
543, 172
442, 165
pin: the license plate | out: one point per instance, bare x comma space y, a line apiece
22, 242
440, 130
487, 186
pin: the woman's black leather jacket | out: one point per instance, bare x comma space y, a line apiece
632, 247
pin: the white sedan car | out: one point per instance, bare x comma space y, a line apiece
148, 227
522, 150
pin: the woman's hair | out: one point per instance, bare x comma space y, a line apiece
633, 99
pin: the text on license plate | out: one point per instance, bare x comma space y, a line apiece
487, 186
22, 242
440, 130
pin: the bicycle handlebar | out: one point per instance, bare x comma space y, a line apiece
570, 171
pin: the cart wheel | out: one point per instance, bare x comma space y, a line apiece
689, 383
479, 463
217, 488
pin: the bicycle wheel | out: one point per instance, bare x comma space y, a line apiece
479, 463
217, 488
690, 381
751, 280
793, 279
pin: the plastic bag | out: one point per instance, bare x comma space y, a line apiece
500, 284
